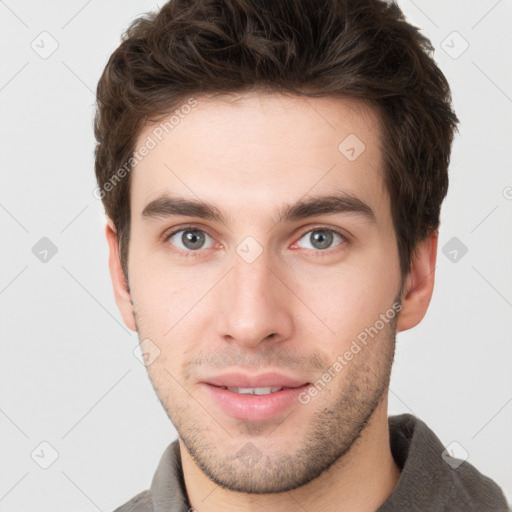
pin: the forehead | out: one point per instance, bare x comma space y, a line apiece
253, 153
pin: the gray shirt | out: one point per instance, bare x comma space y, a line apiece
429, 480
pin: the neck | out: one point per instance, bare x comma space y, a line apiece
360, 481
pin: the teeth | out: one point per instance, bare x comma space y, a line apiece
255, 391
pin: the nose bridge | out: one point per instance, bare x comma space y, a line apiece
251, 281
254, 302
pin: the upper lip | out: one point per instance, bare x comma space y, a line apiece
263, 380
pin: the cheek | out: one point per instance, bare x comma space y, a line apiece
351, 297
160, 301
343, 303
166, 305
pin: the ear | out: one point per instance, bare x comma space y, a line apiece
419, 284
121, 293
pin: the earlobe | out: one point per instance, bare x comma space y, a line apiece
419, 284
121, 293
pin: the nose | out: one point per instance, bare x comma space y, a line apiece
255, 304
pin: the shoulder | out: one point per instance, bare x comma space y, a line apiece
140, 503
474, 490
431, 479
167, 491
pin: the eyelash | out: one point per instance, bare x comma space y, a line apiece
319, 253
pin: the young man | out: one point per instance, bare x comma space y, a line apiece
273, 172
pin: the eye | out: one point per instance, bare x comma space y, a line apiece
321, 239
190, 239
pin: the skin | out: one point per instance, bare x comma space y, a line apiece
294, 309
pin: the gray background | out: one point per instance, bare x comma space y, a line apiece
69, 376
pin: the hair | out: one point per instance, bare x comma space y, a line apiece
356, 49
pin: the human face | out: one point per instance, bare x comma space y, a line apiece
260, 291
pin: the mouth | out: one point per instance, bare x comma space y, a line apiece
254, 398
255, 391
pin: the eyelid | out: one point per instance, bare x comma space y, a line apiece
186, 227
330, 251
341, 232
321, 227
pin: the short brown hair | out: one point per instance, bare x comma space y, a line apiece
362, 49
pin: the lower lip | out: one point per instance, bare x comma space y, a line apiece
254, 407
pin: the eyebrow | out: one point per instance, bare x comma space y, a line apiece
168, 206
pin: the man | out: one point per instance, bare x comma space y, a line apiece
273, 172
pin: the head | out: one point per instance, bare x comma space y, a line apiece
273, 173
